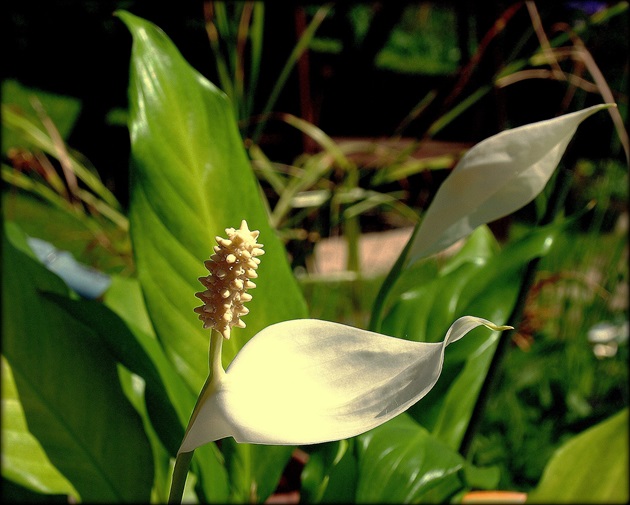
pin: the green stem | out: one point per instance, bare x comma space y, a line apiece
352, 232
216, 372
182, 463
554, 205
493, 375
214, 357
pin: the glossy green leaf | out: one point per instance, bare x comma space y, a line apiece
23, 459
68, 385
591, 467
478, 280
124, 297
255, 469
401, 462
330, 474
140, 355
168, 400
191, 179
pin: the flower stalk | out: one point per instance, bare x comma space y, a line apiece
231, 268
561, 184
180, 472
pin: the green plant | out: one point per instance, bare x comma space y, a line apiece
230, 27
105, 389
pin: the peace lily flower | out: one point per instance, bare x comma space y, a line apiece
342, 381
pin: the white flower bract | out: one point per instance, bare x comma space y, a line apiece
494, 178
308, 381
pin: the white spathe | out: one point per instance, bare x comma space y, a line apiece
495, 178
308, 381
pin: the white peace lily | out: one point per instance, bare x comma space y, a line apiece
303, 381
309, 381
495, 178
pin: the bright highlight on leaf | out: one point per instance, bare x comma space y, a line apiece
495, 178
307, 381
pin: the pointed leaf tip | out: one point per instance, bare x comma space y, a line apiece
498, 328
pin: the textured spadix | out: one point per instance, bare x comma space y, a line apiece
495, 178
307, 381
231, 267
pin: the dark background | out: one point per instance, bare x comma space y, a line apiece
79, 48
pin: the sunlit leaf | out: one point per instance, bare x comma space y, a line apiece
591, 467
400, 462
190, 180
23, 459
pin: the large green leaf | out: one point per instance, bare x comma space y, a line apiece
401, 462
479, 281
140, 355
124, 297
330, 474
68, 385
23, 459
168, 400
591, 467
191, 179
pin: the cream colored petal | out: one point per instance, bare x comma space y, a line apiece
308, 381
495, 178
